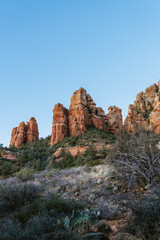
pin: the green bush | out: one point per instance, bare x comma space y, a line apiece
24, 174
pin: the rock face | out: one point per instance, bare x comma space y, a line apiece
145, 111
60, 123
114, 119
82, 113
25, 133
32, 130
78, 117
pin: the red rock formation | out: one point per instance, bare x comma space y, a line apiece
24, 133
60, 123
97, 115
145, 112
114, 119
32, 130
155, 119
82, 113
18, 136
134, 120
78, 117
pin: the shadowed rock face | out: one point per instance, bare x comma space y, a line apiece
82, 113
145, 111
25, 133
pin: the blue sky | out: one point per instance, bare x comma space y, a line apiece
49, 49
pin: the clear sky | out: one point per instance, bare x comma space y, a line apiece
50, 48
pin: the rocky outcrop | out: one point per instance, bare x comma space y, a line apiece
155, 119
78, 117
32, 130
80, 150
9, 155
82, 113
18, 136
72, 150
114, 119
25, 133
60, 123
145, 111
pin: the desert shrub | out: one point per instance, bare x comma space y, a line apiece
34, 155
24, 174
66, 162
89, 158
72, 141
13, 148
50, 163
5, 167
136, 158
103, 152
47, 218
145, 221
53, 206
110, 138
10, 230
89, 154
38, 227
14, 194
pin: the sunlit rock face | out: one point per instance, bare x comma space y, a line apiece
145, 111
82, 113
25, 133
79, 116
114, 119
60, 123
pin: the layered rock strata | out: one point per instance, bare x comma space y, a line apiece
82, 113
24, 133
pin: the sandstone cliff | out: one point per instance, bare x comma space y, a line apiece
82, 113
25, 133
114, 119
60, 123
145, 111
